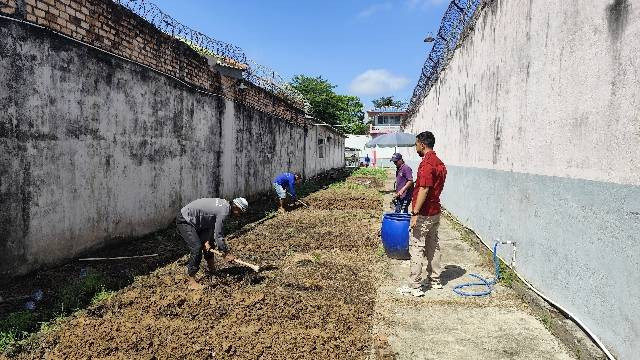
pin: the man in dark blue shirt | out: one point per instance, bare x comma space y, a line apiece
283, 183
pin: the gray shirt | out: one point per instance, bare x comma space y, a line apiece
207, 214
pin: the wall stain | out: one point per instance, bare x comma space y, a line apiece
125, 123
497, 139
77, 131
26, 197
617, 16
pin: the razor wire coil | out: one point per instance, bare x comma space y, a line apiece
257, 74
456, 19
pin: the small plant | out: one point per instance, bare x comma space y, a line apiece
15, 327
101, 296
546, 320
347, 186
80, 293
380, 250
507, 276
315, 256
380, 174
7, 339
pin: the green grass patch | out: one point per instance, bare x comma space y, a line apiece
378, 173
80, 293
85, 291
507, 276
101, 296
7, 339
16, 327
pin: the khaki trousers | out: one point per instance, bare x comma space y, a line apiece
424, 249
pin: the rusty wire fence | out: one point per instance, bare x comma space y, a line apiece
257, 74
457, 18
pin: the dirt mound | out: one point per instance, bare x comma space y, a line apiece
303, 231
367, 181
314, 300
344, 198
317, 311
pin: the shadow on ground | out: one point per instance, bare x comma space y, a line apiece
451, 272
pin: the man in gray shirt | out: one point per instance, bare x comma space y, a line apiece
197, 223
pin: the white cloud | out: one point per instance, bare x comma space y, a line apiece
377, 82
374, 9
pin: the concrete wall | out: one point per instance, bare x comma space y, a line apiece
333, 153
537, 118
256, 147
94, 148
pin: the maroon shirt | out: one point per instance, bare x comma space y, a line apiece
431, 173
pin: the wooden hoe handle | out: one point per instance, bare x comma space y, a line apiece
255, 268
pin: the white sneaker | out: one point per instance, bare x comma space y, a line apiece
434, 284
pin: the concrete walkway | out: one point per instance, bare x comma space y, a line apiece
444, 325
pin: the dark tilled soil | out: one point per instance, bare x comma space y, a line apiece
313, 300
344, 198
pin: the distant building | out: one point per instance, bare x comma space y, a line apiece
385, 122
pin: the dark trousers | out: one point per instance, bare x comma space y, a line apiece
402, 205
195, 241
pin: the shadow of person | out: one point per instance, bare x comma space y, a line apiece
295, 206
237, 274
451, 272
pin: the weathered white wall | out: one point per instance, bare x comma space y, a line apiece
94, 148
257, 147
537, 117
544, 87
333, 150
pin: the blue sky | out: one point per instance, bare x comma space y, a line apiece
367, 48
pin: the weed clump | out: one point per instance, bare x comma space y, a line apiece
15, 327
378, 173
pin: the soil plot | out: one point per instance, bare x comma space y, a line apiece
314, 300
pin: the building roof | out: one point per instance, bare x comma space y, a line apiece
374, 112
314, 122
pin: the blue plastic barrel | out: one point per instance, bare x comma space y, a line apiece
395, 235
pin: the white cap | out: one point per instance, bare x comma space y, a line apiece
241, 203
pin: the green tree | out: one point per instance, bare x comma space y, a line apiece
387, 102
329, 107
351, 115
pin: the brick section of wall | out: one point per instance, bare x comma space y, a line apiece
8, 7
113, 28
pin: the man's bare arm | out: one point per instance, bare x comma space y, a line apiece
422, 196
405, 187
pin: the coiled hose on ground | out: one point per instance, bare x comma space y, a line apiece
483, 282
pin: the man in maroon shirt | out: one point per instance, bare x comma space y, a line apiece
425, 218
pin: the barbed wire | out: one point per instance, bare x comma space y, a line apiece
454, 22
257, 74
